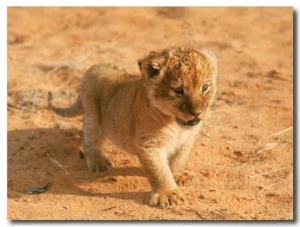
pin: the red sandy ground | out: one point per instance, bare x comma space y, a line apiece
245, 171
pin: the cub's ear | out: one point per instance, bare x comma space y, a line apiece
151, 66
213, 61
211, 56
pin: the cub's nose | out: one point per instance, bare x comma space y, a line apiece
195, 113
195, 109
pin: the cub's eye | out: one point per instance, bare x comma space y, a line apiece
178, 90
204, 88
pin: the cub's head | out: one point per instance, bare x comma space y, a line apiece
181, 82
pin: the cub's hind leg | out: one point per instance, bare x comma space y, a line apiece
95, 159
93, 140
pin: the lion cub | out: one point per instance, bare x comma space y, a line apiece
156, 115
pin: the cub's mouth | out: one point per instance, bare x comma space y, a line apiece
192, 122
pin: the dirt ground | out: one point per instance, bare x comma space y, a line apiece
243, 157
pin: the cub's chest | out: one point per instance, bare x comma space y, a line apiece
183, 137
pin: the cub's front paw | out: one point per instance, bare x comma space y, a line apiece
167, 198
186, 178
99, 164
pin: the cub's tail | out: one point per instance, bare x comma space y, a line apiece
75, 110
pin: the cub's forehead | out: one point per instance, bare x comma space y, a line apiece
189, 65
187, 58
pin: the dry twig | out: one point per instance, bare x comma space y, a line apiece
196, 212
57, 163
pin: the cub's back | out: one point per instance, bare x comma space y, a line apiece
103, 81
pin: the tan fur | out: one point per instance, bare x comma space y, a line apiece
156, 116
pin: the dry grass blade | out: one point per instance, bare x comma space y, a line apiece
280, 132
220, 169
266, 173
216, 212
196, 212
209, 210
268, 146
264, 140
264, 188
116, 212
230, 166
58, 164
